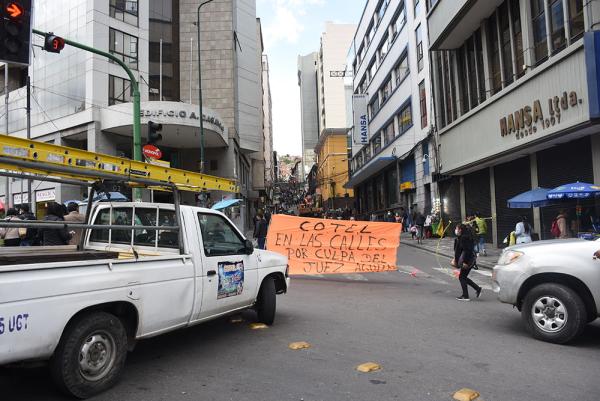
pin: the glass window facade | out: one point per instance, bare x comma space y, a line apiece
515, 16
494, 52
125, 10
125, 47
401, 70
398, 21
389, 133
557, 25
164, 24
505, 42
419, 41
576, 18
386, 90
538, 22
405, 119
119, 90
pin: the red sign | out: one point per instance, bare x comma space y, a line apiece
152, 152
14, 10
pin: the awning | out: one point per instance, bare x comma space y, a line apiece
373, 167
224, 204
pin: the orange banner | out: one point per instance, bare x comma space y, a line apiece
317, 246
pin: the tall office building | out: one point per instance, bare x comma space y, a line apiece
392, 145
307, 80
82, 100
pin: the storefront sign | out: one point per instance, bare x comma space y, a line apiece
17, 198
405, 186
529, 119
45, 195
152, 152
361, 120
182, 114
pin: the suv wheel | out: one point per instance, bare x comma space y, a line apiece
554, 313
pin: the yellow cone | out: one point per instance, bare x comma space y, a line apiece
299, 345
368, 367
466, 394
258, 326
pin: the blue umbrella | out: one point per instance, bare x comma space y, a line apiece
537, 197
225, 204
577, 190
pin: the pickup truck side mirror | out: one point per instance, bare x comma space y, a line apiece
249, 248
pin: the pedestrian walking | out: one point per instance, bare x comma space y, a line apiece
464, 259
54, 236
11, 234
74, 217
420, 224
260, 230
481, 232
523, 231
31, 234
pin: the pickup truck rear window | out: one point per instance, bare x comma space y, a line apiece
219, 237
139, 237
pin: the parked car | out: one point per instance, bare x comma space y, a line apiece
555, 284
83, 310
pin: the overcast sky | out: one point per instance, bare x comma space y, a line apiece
290, 28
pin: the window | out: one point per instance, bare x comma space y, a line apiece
463, 89
119, 90
405, 119
439, 71
367, 153
125, 47
505, 39
401, 70
381, 9
398, 21
362, 87
431, 4
125, 10
376, 143
515, 15
557, 25
419, 38
383, 48
423, 104
416, 7
576, 18
388, 133
493, 45
218, 237
425, 152
386, 90
372, 70
538, 21
361, 54
370, 34
374, 106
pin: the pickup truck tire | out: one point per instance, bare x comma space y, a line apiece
90, 355
266, 302
554, 313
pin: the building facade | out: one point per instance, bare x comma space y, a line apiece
392, 109
517, 106
332, 170
307, 80
82, 100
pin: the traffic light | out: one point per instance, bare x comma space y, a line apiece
53, 43
154, 130
15, 31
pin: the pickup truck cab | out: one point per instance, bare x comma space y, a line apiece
555, 284
83, 310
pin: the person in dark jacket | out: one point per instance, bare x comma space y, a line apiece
32, 233
420, 224
464, 259
260, 229
54, 236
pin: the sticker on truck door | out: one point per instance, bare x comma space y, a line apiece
231, 279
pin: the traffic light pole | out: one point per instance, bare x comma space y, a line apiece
137, 128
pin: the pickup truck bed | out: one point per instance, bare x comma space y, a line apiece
51, 254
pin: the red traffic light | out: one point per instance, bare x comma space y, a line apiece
14, 10
53, 43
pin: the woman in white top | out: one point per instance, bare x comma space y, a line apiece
523, 231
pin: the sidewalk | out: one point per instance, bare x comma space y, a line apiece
445, 248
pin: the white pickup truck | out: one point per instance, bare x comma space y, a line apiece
83, 310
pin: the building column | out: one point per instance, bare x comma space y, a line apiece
527, 35
486, 61
548, 27
513, 50
596, 157
537, 220
493, 205
500, 49
463, 199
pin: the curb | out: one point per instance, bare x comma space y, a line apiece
480, 263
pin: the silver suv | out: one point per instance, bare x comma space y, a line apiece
555, 284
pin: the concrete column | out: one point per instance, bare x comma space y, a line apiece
596, 157
500, 52
527, 34
494, 217
566, 18
486, 60
537, 220
463, 202
513, 47
548, 27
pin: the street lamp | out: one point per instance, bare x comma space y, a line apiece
200, 90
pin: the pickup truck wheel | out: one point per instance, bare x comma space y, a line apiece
554, 313
90, 355
266, 303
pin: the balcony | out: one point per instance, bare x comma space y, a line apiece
451, 22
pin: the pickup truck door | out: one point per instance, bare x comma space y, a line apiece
230, 275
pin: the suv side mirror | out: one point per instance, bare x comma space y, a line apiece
249, 247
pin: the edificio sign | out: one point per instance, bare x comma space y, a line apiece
527, 120
182, 114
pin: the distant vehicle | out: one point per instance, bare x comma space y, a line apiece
555, 284
83, 310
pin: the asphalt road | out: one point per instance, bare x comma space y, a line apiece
428, 344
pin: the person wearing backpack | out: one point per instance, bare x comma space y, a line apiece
559, 226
